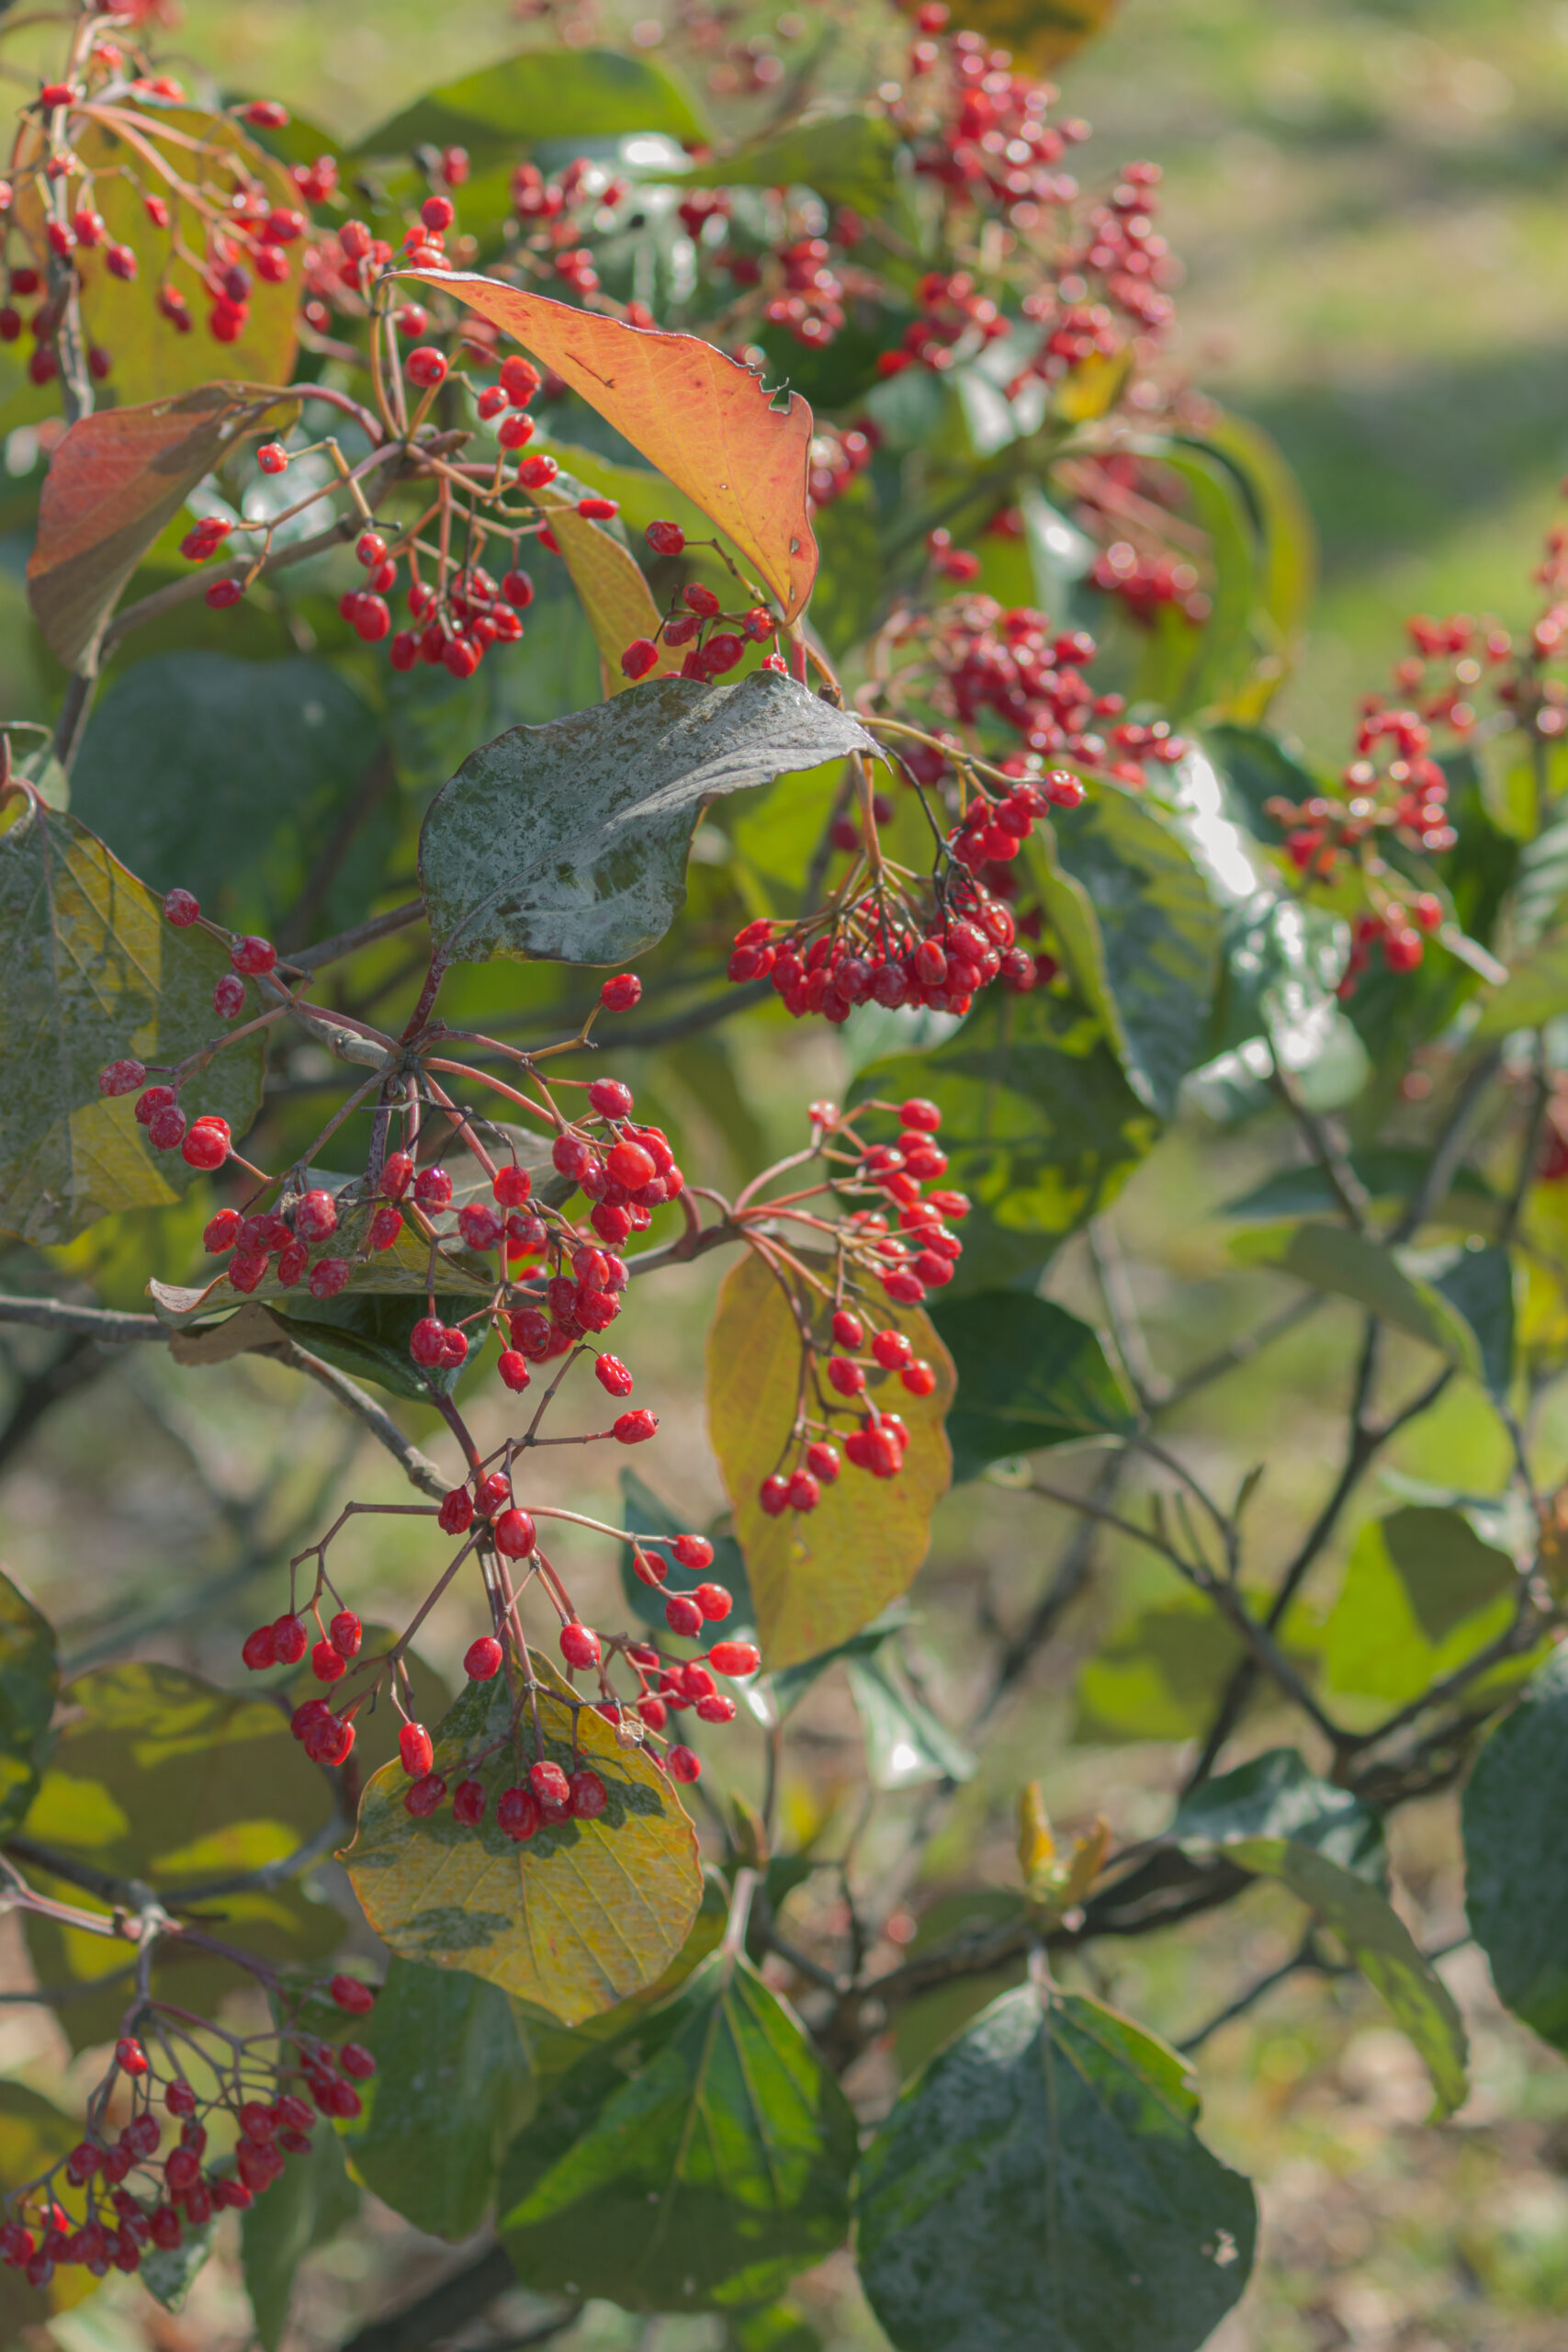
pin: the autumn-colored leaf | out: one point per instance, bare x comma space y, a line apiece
608, 582
115, 481
817, 1577
572, 1921
702, 418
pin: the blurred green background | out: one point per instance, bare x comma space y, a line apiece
1369, 203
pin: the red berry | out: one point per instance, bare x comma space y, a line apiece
647, 1567
578, 1645
166, 1129
252, 955
355, 2060
805, 1493
515, 1535
206, 1146
469, 1803
345, 1632
229, 995
684, 1765
417, 1749
351, 1995
121, 1078
433, 1187
328, 1276
315, 1214
426, 367
620, 994
457, 1511
589, 1796
511, 1187
714, 1601
425, 1795
683, 1616
735, 1657
520, 379
653, 1712
538, 472
693, 1551
634, 1428
597, 510
481, 1660
289, 1640
438, 212
513, 1366
494, 1494
258, 1651
640, 656
180, 909
219, 1233
716, 1709
919, 1378
272, 457
326, 1664
630, 1165
549, 1783
517, 1813
396, 1174
848, 1329
427, 1341
773, 1494
518, 590
612, 1376
700, 600
846, 1377
129, 2056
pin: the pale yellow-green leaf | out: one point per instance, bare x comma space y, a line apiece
819, 1577
582, 1915
610, 586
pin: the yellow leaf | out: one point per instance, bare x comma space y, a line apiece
583, 1915
1042, 32
609, 585
1036, 1845
819, 1577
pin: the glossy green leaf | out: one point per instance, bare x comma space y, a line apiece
699, 2165
92, 973
642, 1513
157, 1776
1042, 2187
30, 1678
846, 158
570, 841
1382, 1946
311, 2201
1422, 1594
1277, 1795
231, 778
1516, 1858
365, 1333
1156, 931
905, 1745
453, 2083
1257, 766
1041, 1128
1029, 1375
542, 94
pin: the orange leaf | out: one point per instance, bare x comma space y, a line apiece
703, 419
116, 480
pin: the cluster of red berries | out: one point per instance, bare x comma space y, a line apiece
715, 641
1146, 582
117, 2225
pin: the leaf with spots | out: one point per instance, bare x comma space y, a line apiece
699, 2163
575, 1919
817, 1577
1042, 2187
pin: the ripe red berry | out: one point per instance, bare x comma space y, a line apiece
612, 1376
630, 1165
252, 955
425, 1795
229, 995
716, 1708
396, 1174
219, 1233
272, 457
166, 1127
417, 1749
469, 1803
426, 367
735, 1658
773, 1494
289, 1640
822, 1461
647, 1567
549, 1783
355, 2060
714, 1601
683, 1764
483, 1659
589, 1796
805, 1493
512, 1186
326, 1664
457, 1511
315, 1214
920, 1115
683, 1616
518, 590
493, 1494
578, 1645
345, 1632
700, 600
848, 1329
206, 1146
433, 1187
121, 1078
621, 993
640, 656
515, 1535
438, 212
513, 1366
129, 2056
517, 1813
919, 1378
597, 510
427, 1341
653, 1712
328, 1276
480, 1225
258, 1650
520, 379
634, 1428
846, 1377
351, 1995
180, 909
538, 472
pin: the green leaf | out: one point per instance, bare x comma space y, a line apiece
847, 158
1397, 1285
1161, 1675
791, 1683
1254, 767
92, 974
583, 1915
452, 2085
1040, 1127
1535, 993
1422, 1593
1029, 1375
1277, 1795
1478, 1281
1042, 2187
642, 1513
169, 2273
159, 1777
1390, 1175
779, 2329
704, 2177
1153, 933
30, 1678
905, 1743
1516, 1858
1509, 793
306, 2205
1287, 553
570, 841
232, 778
542, 94
1382, 1946
365, 1333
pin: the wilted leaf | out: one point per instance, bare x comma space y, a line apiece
308, 2204
703, 419
1516, 1858
542, 94
1042, 2187
816, 1575
452, 2087
583, 1915
93, 972
29, 1677
1040, 1127
1029, 1375
703, 2162
114, 479
570, 841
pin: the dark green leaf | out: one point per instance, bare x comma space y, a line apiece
1382, 1946
1041, 2187
1479, 1283
309, 2203
1516, 1856
905, 1743
1445, 1566
1155, 930
704, 2177
570, 841
847, 158
452, 2085
232, 778
1401, 1286
642, 1513
367, 1333
169, 2273
1159, 1675
93, 973
1041, 1128
1277, 1796
29, 1677
1029, 1375
542, 94
1390, 1175
1255, 768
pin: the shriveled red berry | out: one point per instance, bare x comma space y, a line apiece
289, 1640
612, 1376
326, 1664
589, 1795
328, 1276
121, 1078
549, 1783
425, 1795
457, 1511
513, 1366
346, 1634
469, 1803
517, 1813
417, 1749
258, 1650
180, 909
635, 1427
483, 1659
